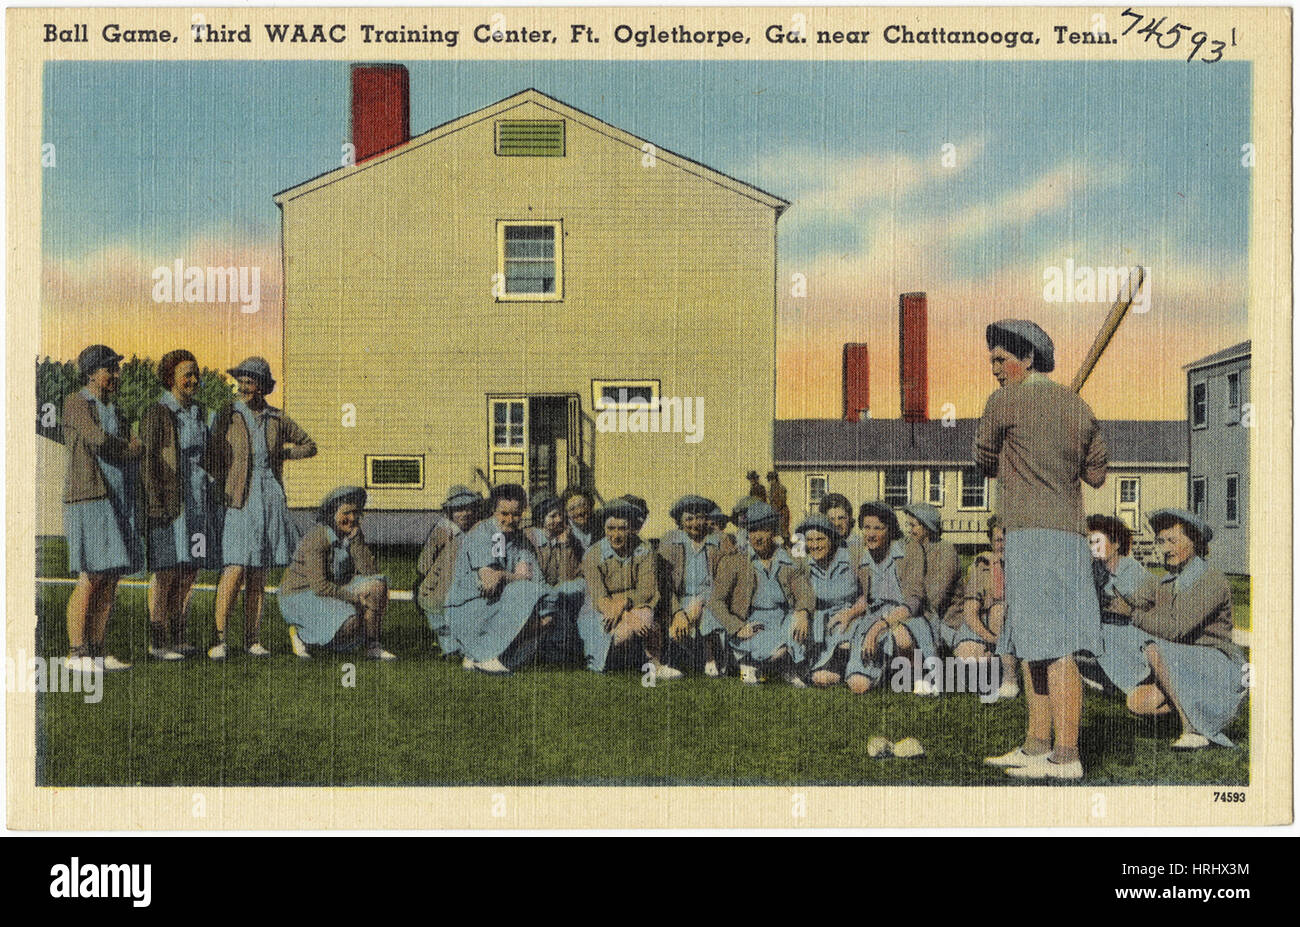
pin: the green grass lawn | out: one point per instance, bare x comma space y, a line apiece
425, 721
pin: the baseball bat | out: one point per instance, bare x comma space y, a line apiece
1117, 312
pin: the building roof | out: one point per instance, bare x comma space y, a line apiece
560, 108
1233, 353
829, 442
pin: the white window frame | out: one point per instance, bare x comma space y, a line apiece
1233, 480
522, 424
500, 289
907, 487
1204, 386
600, 403
1137, 491
931, 485
1205, 496
961, 491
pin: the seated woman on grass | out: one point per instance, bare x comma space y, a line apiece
971, 628
1183, 633
839, 599
332, 593
1119, 579
617, 621
499, 604
764, 601
893, 574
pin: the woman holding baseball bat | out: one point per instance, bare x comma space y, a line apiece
1042, 442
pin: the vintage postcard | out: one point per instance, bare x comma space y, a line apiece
648, 417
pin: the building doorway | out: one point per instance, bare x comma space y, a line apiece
535, 441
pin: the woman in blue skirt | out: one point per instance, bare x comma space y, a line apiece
332, 593
250, 443
1120, 579
897, 628
840, 600
174, 431
499, 604
764, 602
101, 516
1183, 631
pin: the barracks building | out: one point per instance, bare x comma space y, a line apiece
460, 306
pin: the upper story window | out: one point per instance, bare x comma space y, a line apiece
897, 486
1198, 405
1234, 391
529, 260
530, 138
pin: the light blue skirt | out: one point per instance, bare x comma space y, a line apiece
777, 624
874, 666
1122, 658
99, 541
825, 642
319, 618
596, 641
951, 637
171, 544
1052, 608
260, 534
485, 630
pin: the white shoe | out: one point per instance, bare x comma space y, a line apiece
795, 680
112, 663
908, 747
163, 653
1191, 741
924, 687
1008, 690
492, 667
749, 675
217, 651
711, 669
257, 650
467, 664
376, 652
80, 664
878, 747
664, 673
1044, 768
1017, 757
295, 643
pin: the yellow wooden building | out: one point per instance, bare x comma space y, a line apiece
460, 307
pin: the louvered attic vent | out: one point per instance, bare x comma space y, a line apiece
530, 138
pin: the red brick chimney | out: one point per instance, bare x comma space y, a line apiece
912, 358
381, 108
857, 392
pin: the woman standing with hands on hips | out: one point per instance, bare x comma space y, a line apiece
100, 511
250, 443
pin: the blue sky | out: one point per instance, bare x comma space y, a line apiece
1104, 164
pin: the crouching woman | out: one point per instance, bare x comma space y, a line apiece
764, 601
1185, 635
332, 593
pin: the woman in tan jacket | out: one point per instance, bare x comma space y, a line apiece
250, 443
100, 511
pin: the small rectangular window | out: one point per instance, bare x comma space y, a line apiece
1198, 496
897, 488
529, 260
1234, 390
1230, 499
394, 472
1128, 491
816, 490
1198, 405
934, 488
625, 394
974, 489
530, 138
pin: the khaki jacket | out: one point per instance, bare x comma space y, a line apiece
611, 582
942, 578
737, 579
437, 564
673, 551
311, 562
229, 455
1201, 614
86, 440
164, 497
560, 562
911, 577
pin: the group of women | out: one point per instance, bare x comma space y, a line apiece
188, 492
844, 600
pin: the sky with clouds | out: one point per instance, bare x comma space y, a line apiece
1100, 164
